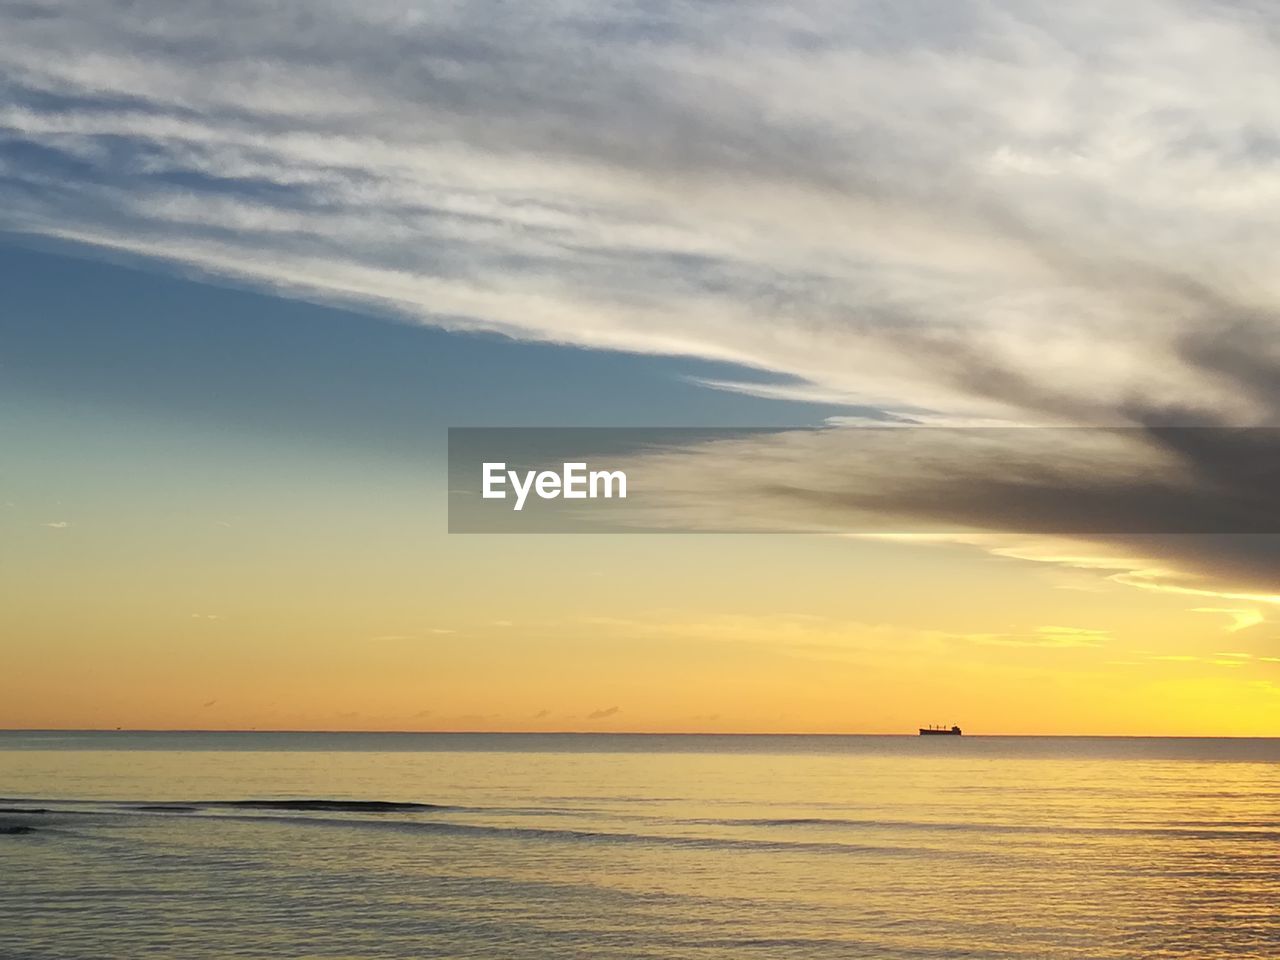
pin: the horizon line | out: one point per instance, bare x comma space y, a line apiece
634, 733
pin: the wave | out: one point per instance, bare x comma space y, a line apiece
837, 834
19, 826
164, 808
301, 806
1243, 830
348, 806
294, 804
547, 834
277, 811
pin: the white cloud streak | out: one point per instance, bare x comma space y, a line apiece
1029, 211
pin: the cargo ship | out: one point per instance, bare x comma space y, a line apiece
939, 731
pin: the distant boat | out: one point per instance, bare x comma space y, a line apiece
940, 731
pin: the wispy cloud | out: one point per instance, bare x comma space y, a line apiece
603, 714
1240, 619
799, 634
433, 631
1060, 637
57, 524
949, 212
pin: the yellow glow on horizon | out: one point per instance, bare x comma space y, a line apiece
361, 623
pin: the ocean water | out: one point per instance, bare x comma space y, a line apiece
561, 846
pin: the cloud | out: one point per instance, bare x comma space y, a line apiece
1054, 637
796, 634
1241, 619
433, 631
1045, 213
1036, 212
603, 714
1187, 511
57, 524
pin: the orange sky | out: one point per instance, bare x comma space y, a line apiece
271, 623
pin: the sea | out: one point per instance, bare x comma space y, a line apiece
549, 846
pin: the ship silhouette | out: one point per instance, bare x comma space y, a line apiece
952, 731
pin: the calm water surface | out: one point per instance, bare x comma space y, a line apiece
551, 846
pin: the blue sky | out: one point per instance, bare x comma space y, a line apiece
147, 342
136, 399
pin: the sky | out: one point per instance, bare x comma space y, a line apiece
251, 276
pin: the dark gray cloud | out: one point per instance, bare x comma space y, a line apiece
1179, 506
1206, 499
